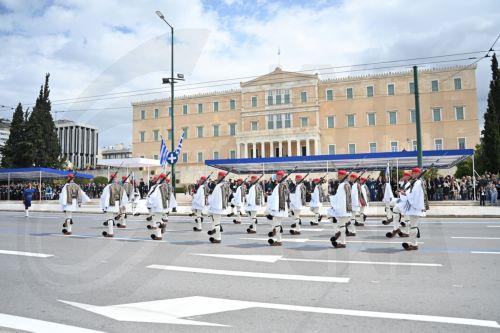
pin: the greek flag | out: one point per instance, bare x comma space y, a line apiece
163, 153
387, 174
179, 145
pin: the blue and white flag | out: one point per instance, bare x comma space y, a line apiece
179, 145
163, 153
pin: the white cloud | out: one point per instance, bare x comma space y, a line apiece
93, 47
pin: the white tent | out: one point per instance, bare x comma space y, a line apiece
129, 163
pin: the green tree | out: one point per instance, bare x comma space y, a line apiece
491, 133
16, 152
45, 147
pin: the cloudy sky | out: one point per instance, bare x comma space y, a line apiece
104, 48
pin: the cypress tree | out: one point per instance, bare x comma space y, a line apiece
16, 153
491, 132
45, 147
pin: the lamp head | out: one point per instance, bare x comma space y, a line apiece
160, 15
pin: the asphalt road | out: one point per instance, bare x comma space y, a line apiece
71, 283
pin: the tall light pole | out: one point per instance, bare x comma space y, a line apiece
171, 81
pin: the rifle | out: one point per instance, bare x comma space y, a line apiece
116, 173
352, 170
361, 174
302, 180
287, 175
206, 179
323, 178
259, 178
130, 174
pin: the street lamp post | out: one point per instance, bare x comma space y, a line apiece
171, 81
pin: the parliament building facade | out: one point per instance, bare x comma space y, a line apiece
291, 113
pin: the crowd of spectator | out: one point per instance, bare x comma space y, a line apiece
438, 188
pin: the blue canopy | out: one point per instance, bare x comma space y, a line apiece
442, 159
37, 173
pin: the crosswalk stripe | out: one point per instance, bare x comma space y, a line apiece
479, 238
484, 252
39, 326
26, 254
305, 240
111, 238
310, 278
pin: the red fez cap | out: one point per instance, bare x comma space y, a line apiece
163, 176
203, 178
280, 173
254, 177
415, 170
298, 177
113, 176
221, 173
316, 180
363, 179
124, 177
70, 175
406, 174
240, 180
155, 178
342, 172
167, 180
354, 175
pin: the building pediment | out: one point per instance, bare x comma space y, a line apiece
277, 76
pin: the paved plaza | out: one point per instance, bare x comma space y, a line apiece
86, 283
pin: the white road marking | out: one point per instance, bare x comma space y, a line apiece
112, 238
484, 252
26, 254
305, 240
173, 310
493, 226
39, 326
481, 238
275, 258
310, 278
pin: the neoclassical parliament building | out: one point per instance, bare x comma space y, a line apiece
292, 113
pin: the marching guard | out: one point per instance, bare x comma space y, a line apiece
363, 201
255, 200
277, 208
113, 201
70, 199
297, 202
199, 202
238, 201
160, 203
218, 202
401, 222
316, 201
388, 200
414, 204
355, 204
341, 209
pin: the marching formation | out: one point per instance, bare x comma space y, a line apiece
284, 201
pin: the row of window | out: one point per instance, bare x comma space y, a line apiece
395, 146
392, 117
199, 132
351, 149
391, 89
185, 109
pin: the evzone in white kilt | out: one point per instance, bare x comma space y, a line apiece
341, 210
277, 209
355, 204
71, 199
316, 203
401, 225
414, 205
113, 202
388, 200
297, 203
160, 202
133, 197
238, 201
255, 201
199, 203
365, 202
217, 206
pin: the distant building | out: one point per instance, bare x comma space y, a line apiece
4, 133
79, 143
116, 151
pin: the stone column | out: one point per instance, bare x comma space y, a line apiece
271, 149
254, 152
317, 147
280, 145
245, 145
289, 151
308, 150
238, 150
